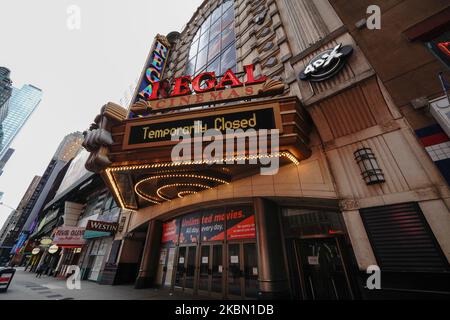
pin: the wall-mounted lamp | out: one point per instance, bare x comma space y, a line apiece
370, 170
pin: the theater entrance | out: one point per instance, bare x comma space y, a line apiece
218, 270
316, 253
320, 268
211, 253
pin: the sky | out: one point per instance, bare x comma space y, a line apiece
82, 54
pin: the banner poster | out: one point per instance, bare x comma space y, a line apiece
213, 226
190, 229
170, 233
240, 223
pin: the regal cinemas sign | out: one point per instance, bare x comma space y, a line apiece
156, 94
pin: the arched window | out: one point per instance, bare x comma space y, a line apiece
213, 47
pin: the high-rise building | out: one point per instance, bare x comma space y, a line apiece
5, 88
69, 147
5, 94
15, 221
22, 103
4, 159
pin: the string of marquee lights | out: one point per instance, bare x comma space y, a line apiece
196, 185
113, 182
148, 197
181, 194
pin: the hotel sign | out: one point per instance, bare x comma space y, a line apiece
205, 88
95, 229
156, 133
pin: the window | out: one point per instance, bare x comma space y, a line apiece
213, 47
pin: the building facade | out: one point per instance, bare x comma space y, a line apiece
355, 187
420, 37
7, 155
44, 192
22, 103
5, 92
14, 224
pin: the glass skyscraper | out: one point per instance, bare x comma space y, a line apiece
5, 92
22, 103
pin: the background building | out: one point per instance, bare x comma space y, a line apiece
6, 156
48, 185
22, 103
12, 227
5, 92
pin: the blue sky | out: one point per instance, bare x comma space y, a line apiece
78, 70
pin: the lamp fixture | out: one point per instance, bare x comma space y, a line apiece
368, 164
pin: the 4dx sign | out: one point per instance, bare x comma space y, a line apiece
327, 64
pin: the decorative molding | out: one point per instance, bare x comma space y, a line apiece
98, 138
314, 47
349, 205
337, 89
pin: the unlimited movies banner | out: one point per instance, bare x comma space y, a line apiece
234, 223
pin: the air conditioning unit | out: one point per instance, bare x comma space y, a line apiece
440, 110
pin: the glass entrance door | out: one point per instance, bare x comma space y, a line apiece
210, 280
250, 270
169, 268
186, 268
205, 270
160, 273
165, 267
242, 273
322, 268
217, 270
181, 267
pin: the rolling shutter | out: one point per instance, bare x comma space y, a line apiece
402, 240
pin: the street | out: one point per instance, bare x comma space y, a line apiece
25, 286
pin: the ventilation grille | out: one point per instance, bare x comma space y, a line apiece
402, 240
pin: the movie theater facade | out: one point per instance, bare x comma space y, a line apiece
354, 187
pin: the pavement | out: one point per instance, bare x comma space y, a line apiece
25, 286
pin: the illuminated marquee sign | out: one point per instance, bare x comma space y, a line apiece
440, 47
146, 134
205, 88
326, 64
154, 68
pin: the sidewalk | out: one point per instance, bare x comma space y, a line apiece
25, 286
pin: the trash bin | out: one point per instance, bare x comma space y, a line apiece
6, 276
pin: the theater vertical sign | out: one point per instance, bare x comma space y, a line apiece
153, 70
